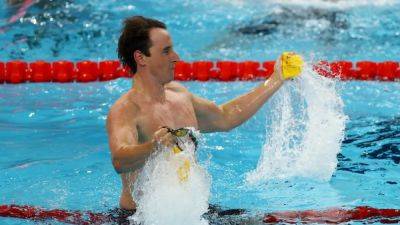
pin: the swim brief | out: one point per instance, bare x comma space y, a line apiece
120, 216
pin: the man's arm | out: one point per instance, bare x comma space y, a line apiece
127, 154
126, 151
227, 116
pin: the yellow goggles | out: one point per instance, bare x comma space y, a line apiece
182, 132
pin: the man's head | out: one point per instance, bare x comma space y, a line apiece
146, 44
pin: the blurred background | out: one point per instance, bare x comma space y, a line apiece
205, 29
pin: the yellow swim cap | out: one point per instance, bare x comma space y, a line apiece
291, 65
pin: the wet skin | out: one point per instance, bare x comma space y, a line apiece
135, 121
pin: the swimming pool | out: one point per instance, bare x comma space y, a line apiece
54, 146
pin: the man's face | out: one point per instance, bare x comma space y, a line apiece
161, 62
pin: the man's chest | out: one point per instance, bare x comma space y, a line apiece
175, 112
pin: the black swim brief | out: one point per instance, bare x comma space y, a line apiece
120, 216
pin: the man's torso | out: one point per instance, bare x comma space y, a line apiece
175, 112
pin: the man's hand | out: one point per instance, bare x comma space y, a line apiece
277, 75
163, 137
287, 66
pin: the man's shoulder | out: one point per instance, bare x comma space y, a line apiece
177, 87
125, 105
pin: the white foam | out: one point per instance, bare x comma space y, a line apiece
163, 199
306, 128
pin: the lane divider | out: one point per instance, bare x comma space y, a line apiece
15, 72
364, 214
40, 214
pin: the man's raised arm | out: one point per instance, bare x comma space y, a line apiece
212, 117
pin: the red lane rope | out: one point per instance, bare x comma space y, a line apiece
65, 216
335, 216
87, 71
330, 216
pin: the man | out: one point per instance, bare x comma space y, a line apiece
137, 120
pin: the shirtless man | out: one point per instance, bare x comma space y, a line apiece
135, 121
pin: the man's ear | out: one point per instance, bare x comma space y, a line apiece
139, 58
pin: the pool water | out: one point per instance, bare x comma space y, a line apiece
214, 30
54, 150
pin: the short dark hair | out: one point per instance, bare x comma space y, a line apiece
135, 35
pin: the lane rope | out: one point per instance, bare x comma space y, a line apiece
329, 216
335, 216
15, 72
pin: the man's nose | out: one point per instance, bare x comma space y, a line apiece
176, 57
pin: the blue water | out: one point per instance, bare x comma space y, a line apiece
222, 29
54, 150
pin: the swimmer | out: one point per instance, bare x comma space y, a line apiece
295, 19
155, 106
23, 7
14, 2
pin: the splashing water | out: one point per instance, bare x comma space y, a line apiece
305, 133
162, 198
